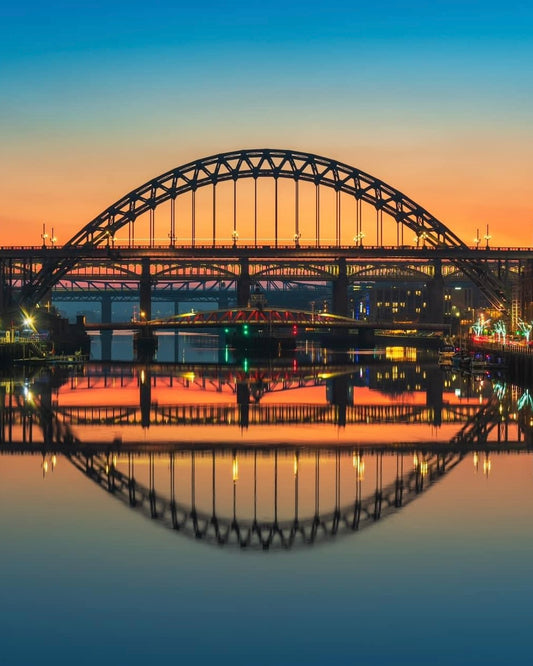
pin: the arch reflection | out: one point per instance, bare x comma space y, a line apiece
266, 499
258, 496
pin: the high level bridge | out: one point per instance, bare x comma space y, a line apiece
266, 217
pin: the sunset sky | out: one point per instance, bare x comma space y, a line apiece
435, 98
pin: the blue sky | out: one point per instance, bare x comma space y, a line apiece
375, 85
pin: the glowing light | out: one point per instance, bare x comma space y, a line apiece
295, 465
359, 466
235, 469
525, 400
400, 353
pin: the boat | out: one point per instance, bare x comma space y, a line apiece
446, 355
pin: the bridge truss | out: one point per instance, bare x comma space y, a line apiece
358, 203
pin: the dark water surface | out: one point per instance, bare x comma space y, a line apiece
283, 554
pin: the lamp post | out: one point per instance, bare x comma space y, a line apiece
44, 235
358, 238
53, 239
297, 237
487, 237
235, 237
477, 239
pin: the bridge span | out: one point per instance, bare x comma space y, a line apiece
252, 216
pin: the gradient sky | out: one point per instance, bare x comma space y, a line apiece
435, 98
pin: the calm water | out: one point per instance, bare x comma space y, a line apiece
278, 515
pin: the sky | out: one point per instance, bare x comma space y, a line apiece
434, 98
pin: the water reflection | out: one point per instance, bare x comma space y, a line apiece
277, 498
217, 453
368, 390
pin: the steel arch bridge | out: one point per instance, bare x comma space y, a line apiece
345, 181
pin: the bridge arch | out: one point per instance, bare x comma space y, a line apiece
279, 165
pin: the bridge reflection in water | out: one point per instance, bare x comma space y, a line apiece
281, 497
276, 498
375, 392
256, 496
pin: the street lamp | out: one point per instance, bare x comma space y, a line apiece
297, 237
53, 239
235, 237
487, 237
44, 235
358, 238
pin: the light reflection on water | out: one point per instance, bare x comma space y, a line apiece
382, 531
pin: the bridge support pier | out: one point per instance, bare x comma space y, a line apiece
366, 338
339, 392
340, 289
106, 337
434, 311
243, 400
4, 298
145, 397
243, 283
144, 344
435, 387
176, 335
145, 291
145, 340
